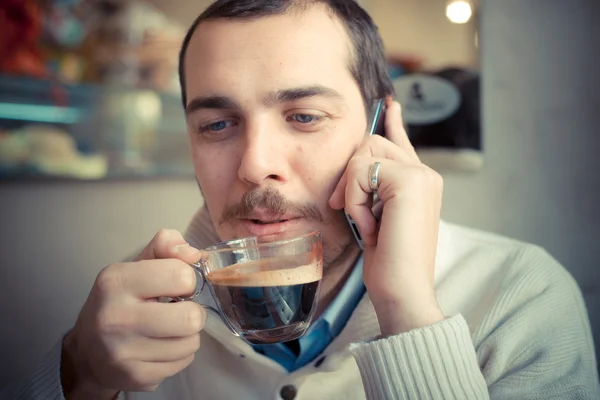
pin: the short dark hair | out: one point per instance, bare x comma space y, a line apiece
369, 66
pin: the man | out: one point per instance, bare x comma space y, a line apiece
277, 95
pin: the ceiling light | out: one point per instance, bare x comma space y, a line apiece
459, 11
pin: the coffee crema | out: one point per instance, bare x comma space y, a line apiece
278, 271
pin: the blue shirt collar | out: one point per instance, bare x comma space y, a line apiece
338, 312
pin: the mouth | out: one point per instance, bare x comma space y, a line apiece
263, 225
261, 222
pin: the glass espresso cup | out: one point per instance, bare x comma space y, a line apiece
266, 287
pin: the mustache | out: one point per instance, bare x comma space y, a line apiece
275, 203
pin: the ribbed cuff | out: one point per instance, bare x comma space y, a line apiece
43, 384
434, 362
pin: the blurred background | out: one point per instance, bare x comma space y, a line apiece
501, 97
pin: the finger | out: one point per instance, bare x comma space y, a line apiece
168, 369
148, 279
358, 198
169, 320
164, 350
378, 146
374, 146
394, 128
145, 376
169, 243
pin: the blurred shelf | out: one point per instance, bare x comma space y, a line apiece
141, 133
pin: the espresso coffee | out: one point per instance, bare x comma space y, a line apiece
272, 300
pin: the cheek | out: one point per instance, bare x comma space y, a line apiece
323, 162
222, 175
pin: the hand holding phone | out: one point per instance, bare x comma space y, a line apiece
400, 247
376, 127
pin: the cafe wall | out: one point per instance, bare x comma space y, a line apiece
421, 28
541, 96
539, 182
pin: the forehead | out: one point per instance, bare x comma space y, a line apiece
296, 48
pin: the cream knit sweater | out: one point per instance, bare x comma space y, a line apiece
517, 328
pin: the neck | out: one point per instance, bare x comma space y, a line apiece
336, 275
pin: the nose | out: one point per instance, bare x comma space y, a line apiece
264, 155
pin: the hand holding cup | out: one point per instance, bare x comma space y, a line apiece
124, 339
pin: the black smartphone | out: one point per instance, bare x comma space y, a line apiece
376, 127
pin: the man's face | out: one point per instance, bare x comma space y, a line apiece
274, 115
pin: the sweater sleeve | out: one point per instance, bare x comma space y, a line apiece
43, 384
434, 362
534, 342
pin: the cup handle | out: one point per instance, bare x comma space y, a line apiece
197, 267
199, 270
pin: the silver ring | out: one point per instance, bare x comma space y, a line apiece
374, 176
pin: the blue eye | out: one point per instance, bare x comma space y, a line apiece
305, 118
217, 126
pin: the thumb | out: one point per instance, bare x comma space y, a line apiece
169, 243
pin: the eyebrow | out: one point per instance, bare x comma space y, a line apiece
270, 100
211, 102
286, 95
